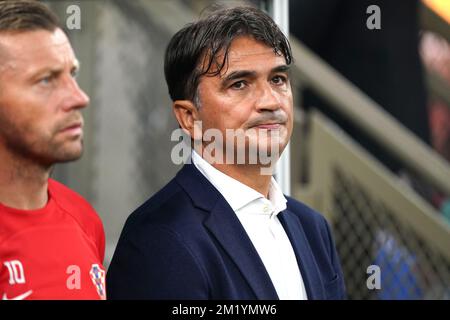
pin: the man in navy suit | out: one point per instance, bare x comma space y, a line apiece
222, 229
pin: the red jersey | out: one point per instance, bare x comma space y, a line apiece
52, 253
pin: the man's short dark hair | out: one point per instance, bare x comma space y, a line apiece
194, 50
26, 15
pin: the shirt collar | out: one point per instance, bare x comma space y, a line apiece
277, 197
237, 194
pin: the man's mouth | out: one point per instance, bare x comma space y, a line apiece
269, 126
73, 129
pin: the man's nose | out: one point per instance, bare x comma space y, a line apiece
75, 98
267, 98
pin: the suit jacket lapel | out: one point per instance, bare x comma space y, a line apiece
227, 229
303, 252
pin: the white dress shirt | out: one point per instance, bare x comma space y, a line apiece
258, 216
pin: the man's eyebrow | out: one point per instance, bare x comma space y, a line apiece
238, 74
44, 70
56, 70
282, 68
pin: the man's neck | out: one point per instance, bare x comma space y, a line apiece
250, 175
23, 184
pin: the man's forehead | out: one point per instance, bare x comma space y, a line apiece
36, 46
256, 58
246, 56
34, 41
249, 45
245, 52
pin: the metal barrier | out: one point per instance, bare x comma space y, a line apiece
376, 219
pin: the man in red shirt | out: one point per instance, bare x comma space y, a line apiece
51, 240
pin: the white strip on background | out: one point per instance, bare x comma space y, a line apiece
280, 14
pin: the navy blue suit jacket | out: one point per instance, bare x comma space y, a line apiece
186, 242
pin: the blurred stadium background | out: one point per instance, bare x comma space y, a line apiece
398, 219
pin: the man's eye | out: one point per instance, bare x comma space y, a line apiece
238, 85
279, 80
46, 80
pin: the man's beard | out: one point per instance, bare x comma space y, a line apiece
45, 149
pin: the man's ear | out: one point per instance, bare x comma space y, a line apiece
186, 113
